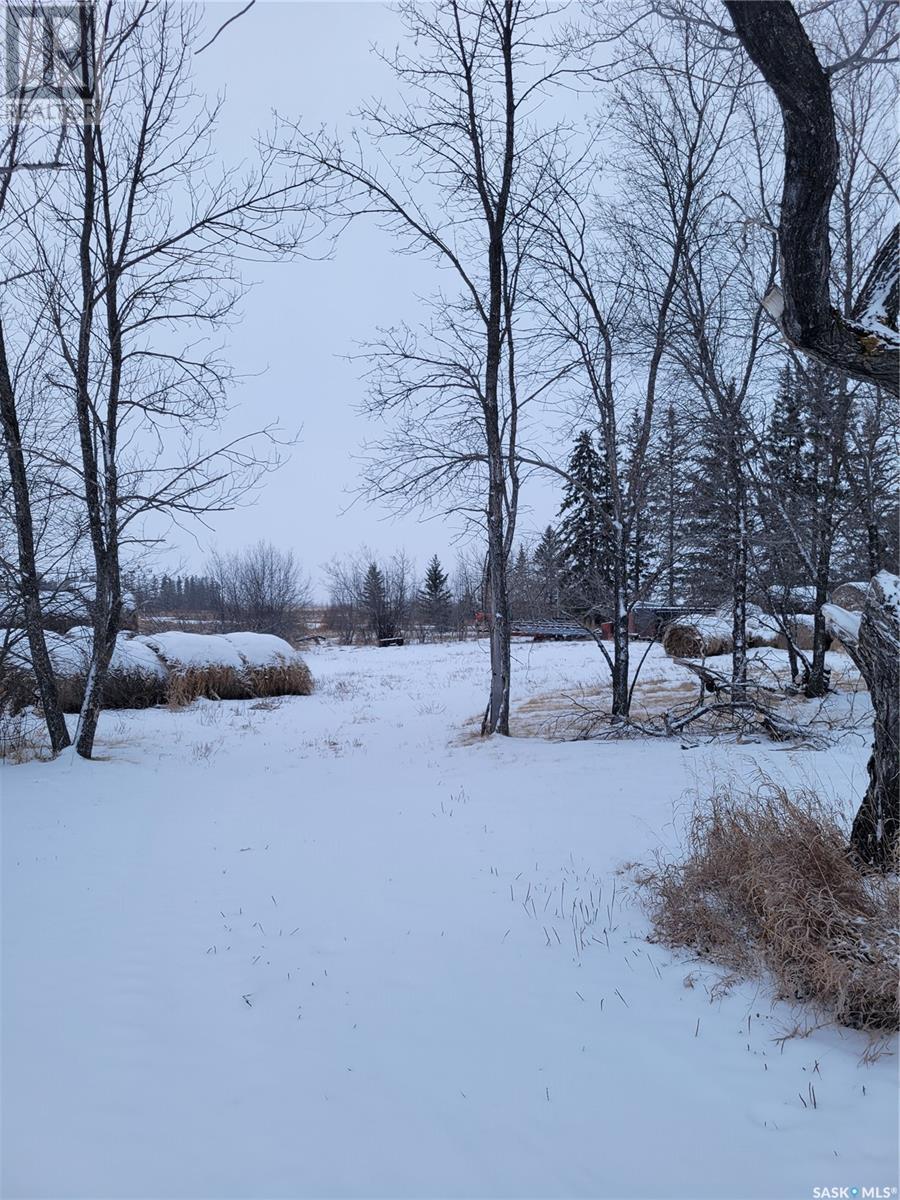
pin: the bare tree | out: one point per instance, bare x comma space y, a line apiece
260, 588
136, 254
862, 205
21, 156
610, 291
862, 343
370, 595
458, 168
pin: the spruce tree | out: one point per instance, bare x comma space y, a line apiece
710, 548
375, 604
586, 545
548, 561
666, 506
520, 585
785, 501
434, 597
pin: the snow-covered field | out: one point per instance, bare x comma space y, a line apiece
326, 948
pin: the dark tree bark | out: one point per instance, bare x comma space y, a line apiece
876, 651
28, 575
774, 38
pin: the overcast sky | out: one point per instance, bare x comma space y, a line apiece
314, 61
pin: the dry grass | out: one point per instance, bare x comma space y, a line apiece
766, 883
22, 736
18, 690
284, 679
178, 688
186, 684
121, 689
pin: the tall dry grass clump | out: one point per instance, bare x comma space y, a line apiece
280, 679
211, 682
187, 684
121, 689
766, 882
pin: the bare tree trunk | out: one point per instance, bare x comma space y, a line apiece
621, 697
740, 536
818, 677
497, 716
774, 38
497, 719
739, 603
97, 452
876, 651
40, 658
835, 423
495, 212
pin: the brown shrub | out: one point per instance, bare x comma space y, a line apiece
767, 883
18, 690
23, 736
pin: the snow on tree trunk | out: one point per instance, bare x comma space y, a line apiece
865, 346
873, 643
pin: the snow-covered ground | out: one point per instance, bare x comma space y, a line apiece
326, 948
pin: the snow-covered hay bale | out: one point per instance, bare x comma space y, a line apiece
158, 668
706, 636
17, 684
234, 666
698, 637
199, 664
136, 678
69, 658
762, 630
801, 628
851, 596
272, 667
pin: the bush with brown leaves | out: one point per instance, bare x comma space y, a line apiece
767, 883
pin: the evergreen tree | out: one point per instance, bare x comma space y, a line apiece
375, 604
434, 597
548, 560
667, 504
709, 554
519, 583
586, 547
784, 504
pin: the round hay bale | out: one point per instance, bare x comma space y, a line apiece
136, 677
698, 637
272, 667
683, 641
801, 627
198, 665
